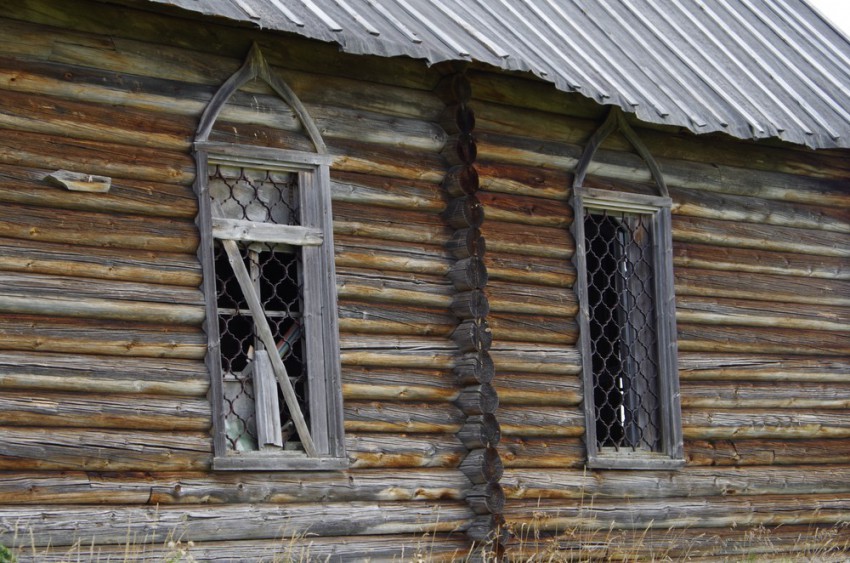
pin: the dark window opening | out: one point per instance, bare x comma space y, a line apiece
623, 339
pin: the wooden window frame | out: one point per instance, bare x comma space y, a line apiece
657, 209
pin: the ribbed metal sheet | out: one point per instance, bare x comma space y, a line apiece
750, 68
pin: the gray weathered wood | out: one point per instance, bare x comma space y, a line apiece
237, 229
79, 182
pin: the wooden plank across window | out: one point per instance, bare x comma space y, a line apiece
242, 230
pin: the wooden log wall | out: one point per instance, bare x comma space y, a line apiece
105, 420
99, 292
761, 238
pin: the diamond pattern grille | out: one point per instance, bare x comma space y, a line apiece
275, 270
624, 347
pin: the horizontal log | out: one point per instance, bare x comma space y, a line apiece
759, 236
759, 340
435, 546
402, 288
528, 151
536, 453
516, 268
762, 287
98, 229
140, 266
759, 261
739, 312
386, 192
397, 352
541, 390
71, 449
351, 155
67, 525
699, 482
535, 358
765, 395
422, 418
35, 150
360, 318
409, 226
111, 338
546, 242
380, 450
499, 176
640, 514
540, 421
531, 299
27, 186
231, 488
533, 328
85, 410
362, 252
706, 424
747, 452
79, 373
526, 210
720, 367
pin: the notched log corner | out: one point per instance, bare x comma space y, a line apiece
79, 182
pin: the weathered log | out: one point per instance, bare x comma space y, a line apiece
463, 212
383, 451
78, 373
525, 210
707, 424
762, 287
541, 421
66, 525
407, 384
27, 186
111, 338
461, 180
226, 487
460, 149
529, 240
536, 358
639, 514
482, 465
487, 498
380, 318
457, 118
536, 453
765, 395
419, 418
736, 312
488, 528
106, 263
98, 229
438, 547
759, 261
506, 178
474, 368
62, 449
689, 482
36, 150
481, 431
410, 226
478, 399
467, 242
470, 305
533, 328
761, 237
473, 336
528, 298
516, 268
467, 274
746, 452
392, 290
720, 367
759, 340
399, 352
542, 390
18, 408
386, 192
454, 88
351, 155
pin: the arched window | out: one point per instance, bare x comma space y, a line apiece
269, 283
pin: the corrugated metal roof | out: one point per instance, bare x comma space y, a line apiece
750, 68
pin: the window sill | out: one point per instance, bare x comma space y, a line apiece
289, 461
635, 461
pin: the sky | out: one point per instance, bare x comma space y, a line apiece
837, 11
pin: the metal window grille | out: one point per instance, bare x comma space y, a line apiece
260, 196
620, 275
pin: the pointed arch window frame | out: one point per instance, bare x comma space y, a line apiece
655, 210
323, 437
